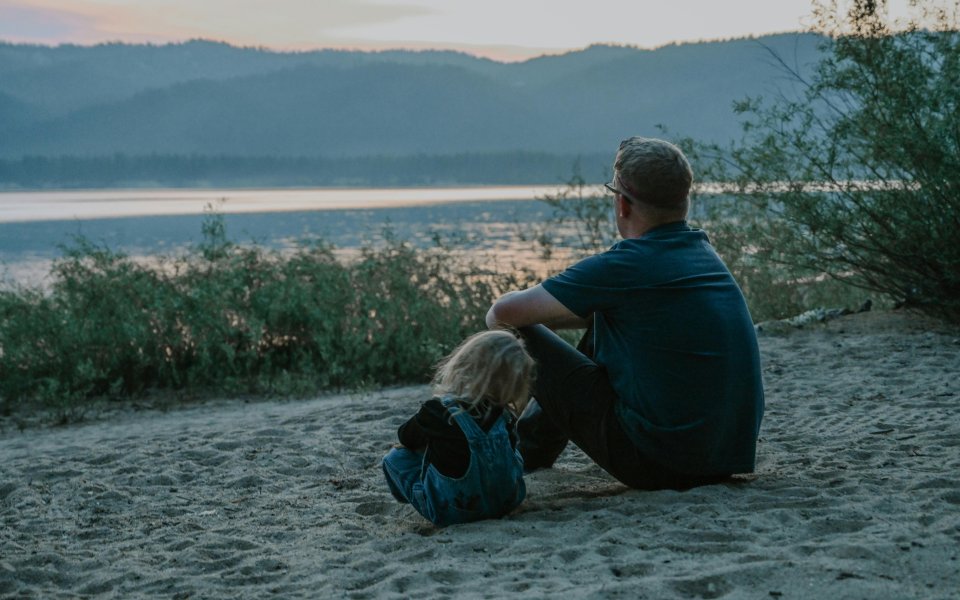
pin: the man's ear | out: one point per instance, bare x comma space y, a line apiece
623, 206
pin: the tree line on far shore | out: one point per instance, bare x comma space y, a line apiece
172, 170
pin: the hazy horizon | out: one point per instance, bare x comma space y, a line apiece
502, 30
388, 49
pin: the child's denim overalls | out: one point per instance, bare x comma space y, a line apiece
491, 487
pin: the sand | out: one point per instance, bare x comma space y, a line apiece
857, 495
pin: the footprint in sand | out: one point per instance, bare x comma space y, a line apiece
704, 587
207, 458
951, 498
368, 509
632, 570
227, 445
247, 481
270, 434
6, 489
103, 459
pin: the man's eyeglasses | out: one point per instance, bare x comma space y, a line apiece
616, 186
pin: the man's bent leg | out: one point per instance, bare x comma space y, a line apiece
574, 401
541, 441
577, 402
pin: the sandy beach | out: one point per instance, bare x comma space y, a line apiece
857, 495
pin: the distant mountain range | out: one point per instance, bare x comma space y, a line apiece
210, 99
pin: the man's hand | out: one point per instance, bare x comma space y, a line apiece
530, 307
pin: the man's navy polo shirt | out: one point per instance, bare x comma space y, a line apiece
673, 331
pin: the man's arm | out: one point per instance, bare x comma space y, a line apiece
530, 307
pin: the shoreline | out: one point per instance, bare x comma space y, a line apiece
856, 494
70, 205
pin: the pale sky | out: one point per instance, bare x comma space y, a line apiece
499, 29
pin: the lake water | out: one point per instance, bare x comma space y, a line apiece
101, 204
33, 225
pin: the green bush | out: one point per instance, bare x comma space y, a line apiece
857, 178
226, 318
773, 289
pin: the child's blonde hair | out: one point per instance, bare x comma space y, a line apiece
491, 366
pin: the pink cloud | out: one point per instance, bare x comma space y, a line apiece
22, 23
58, 21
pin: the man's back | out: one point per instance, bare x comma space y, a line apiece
671, 396
673, 331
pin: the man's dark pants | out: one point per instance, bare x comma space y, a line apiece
574, 401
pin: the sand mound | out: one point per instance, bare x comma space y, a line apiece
857, 495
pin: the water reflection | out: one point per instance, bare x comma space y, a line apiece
497, 233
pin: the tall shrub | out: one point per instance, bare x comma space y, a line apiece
856, 176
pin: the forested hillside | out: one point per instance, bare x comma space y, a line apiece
206, 99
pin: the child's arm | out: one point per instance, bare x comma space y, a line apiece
421, 427
448, 449
411, 435
434, 431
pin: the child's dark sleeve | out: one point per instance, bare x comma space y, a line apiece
411, 435
433, 429
430, 421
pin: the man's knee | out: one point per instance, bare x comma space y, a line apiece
537, 338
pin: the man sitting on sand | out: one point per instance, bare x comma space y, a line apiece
664, 390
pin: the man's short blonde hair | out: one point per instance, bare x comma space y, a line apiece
654, 172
